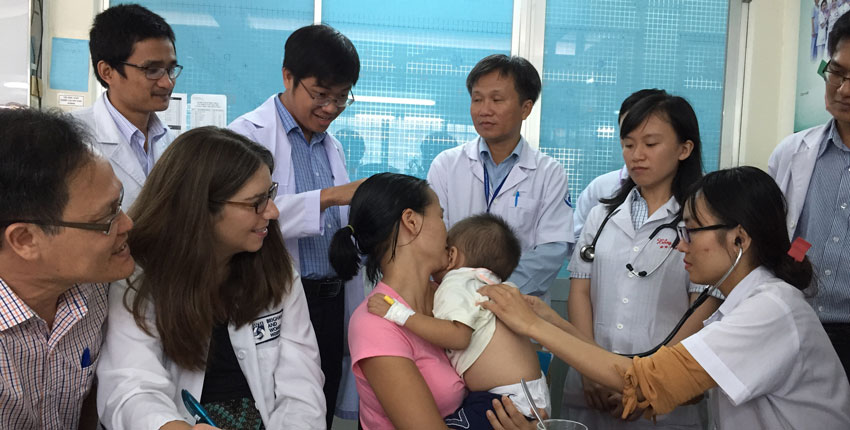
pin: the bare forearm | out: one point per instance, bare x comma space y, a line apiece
579, 307
588, 359
443, 333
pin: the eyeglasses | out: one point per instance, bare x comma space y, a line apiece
323, 99
833, 77
260, 204
105, 227
154, 73
685, 233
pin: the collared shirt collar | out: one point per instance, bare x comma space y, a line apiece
484, 150
831, 137
671, 207
759, 276
13, 310
156, 129
290, 125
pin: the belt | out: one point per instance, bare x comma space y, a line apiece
322, 288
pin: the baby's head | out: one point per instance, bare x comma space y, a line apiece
486, 241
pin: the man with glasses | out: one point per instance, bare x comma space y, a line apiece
132, 51
64, 236
320, 66
812, 168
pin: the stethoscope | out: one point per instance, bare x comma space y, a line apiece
588, 252
703, 296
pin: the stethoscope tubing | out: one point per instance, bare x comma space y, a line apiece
703, 296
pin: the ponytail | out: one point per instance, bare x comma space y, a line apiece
374, 216
343, 253
796, 273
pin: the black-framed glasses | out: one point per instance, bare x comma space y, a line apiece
154, 73
323, 100
104, 227
833, 77
685, 232
260, 204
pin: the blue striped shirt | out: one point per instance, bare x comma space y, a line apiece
44, 376
825, 223
640, 209
312, 172
498, 172
156, 131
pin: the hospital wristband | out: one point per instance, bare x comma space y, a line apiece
399, 313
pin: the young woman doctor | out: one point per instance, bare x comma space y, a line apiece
628, 288
764, 353
215, 306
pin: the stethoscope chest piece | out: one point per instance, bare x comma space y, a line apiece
587, 253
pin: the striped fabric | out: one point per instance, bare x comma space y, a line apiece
640, 209
42, 378
312, 172
156, 130
825, 223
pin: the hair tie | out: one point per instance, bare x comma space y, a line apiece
798, 249
350, 228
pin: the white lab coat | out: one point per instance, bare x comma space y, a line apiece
602, 186
791, 166
139, 388
631, 314
773, 363
109, 142
300, 214
538, 215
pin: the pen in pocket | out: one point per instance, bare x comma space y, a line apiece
85, 359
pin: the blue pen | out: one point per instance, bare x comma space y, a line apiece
516, 198
85, 360
198, 412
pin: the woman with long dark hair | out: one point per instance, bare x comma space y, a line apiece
628, 288
763, 354
404, 382
215, 307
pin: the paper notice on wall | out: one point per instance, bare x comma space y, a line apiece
73, 100
175, 116
209, 109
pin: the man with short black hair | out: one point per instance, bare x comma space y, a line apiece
320, 66
133, 54
812, 168
63, 235
500, 173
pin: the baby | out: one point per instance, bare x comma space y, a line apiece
489, 356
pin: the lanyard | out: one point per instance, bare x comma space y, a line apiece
487, 198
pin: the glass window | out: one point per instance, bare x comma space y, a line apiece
232, 48
411, 99
597, 53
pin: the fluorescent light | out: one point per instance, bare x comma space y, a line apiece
372, 117
589, 80
190, 19
273, 23
605, 131
16, 85
394, 100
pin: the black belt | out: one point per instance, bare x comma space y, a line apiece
322, 288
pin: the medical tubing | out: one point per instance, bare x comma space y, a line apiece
703, 296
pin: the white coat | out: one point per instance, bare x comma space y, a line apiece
109, 142
791, 166
772, 361
139, 388
300, 214
631, 314
538, 215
